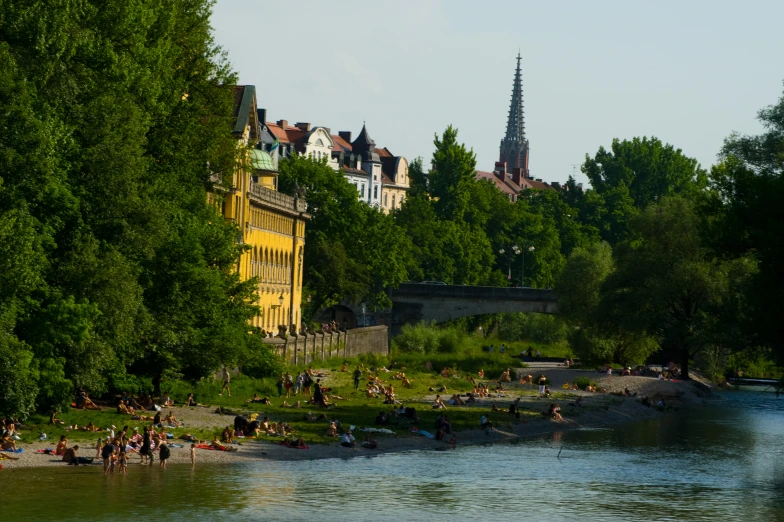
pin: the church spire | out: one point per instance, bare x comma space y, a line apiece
514, 146
515, 126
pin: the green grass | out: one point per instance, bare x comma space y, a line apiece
356, 410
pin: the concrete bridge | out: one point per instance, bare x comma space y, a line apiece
414, 302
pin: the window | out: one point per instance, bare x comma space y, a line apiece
375, 191
362, 191
393, 201
385, 200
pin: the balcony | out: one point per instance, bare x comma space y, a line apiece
277, 199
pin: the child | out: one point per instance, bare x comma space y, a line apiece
123, 462
193, 454
98, 447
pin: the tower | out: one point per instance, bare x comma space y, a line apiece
514, 146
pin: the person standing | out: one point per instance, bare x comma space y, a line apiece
542, 383
357, 377
146, 451
226, 381
164, 453
298, 383
107, 453
318, 396
288, 384
193, 454
280, 384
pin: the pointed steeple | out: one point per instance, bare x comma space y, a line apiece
515, 125
364, 142
514, 146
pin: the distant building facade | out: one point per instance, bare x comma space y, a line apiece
272, 224
380, 177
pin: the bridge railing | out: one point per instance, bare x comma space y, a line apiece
418, 290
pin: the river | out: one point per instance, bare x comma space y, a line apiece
722, 462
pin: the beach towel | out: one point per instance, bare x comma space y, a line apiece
292, 447
47, 451
423, 432
17, 450
378, 430
210, 447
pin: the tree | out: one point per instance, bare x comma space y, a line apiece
749, 182
667, 284
353, 252
453, 173
632, 175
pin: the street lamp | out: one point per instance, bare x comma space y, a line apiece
519, 251
509, 274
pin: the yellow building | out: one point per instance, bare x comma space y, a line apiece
272, 224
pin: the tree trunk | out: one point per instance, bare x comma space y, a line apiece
685, 364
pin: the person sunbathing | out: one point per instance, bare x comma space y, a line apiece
70, 456
296, 405
171, 419
227, 435
343, 368
505, 376
53, 418
255, 398
8, 443
438, 404
267, 428
405, 381
445, 372
481, 373
90, 427
62, 445
497, 409
84, 402
332, 430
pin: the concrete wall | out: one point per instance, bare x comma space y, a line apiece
305, 349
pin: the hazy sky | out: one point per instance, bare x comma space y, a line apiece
687, 72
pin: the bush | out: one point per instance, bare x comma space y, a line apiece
583, 382
539, 328
260, 362
420, 338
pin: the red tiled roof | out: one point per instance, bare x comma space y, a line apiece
499, 183
386, 180
384, 153
339, 144
278, 132
349, 170
537, 184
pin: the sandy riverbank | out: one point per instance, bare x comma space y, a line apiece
599, 410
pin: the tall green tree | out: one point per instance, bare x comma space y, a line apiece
749, 182
352, 251
452, 175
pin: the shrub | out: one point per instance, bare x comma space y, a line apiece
539, 328
420, 338
260, 362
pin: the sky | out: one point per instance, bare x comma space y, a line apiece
689, 73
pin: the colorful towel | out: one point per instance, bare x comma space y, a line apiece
210, 447
17, 450
423, 432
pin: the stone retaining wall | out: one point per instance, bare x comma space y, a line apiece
305, 348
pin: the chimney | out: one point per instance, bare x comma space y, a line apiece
517, 174
262, 116
303, 126
500, 166
539, 180
283, 124
346, 135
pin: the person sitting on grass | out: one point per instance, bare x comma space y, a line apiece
332, 430
471, 399
348, 440
227, 435
481, 373
505, 376
53, 418
8, 443
190, 401
90, 427
84, 402
438, 404
554, 412
405, 381
445, 372
343, 368
268, 428
496, 409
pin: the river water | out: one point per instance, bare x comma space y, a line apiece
722, 462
